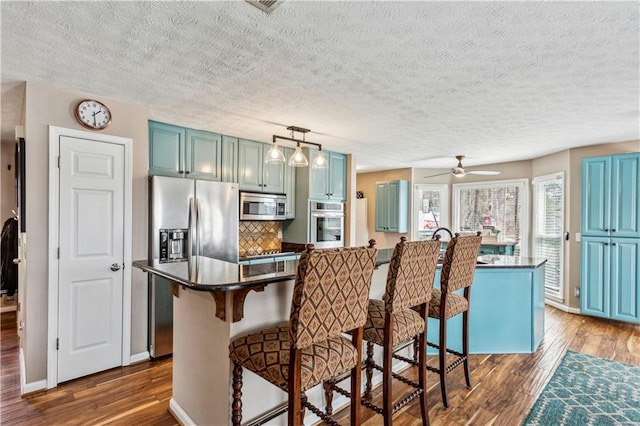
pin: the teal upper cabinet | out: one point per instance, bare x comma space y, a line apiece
176, 151
392, 206
329, 183
203, 151
611, 196
166, 149
253, 173
229, 170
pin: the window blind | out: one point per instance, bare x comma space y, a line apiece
548, 225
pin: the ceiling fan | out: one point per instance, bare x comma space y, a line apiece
460, 171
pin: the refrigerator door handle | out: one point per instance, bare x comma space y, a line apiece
198, 227
191, 233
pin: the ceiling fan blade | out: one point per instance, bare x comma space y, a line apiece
439, 174
482, 172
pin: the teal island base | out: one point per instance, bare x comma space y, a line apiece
506, 313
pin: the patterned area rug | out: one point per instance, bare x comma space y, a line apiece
587, 390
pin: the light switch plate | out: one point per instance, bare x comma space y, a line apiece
578, 237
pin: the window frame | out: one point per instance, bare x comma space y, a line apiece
526, 206
445, 216
559, 295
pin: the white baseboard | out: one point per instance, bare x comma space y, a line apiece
139, 357
25, 387
561, 307
181, 416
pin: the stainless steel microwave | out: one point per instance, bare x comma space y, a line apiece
258, 206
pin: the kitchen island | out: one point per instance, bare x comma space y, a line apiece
216, 301
507, 305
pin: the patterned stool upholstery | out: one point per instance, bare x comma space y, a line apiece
391, 322
266, 353
455, 304
329, 298
406, 324
458, 270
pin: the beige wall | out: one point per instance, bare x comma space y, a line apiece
8, 185
366, 182
47, 106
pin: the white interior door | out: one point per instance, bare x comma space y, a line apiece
91, 255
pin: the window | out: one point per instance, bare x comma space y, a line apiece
548, 225
430, 210
497, 208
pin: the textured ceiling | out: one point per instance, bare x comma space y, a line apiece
399, 84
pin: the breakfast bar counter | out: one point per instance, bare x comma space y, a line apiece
215, 301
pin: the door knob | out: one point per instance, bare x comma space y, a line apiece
115, 267
16, 260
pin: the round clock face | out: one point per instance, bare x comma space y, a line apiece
93, 114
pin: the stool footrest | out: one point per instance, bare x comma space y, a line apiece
404, 401
318, 412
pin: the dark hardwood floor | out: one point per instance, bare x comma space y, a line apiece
505, 386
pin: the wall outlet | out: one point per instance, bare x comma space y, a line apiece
578, 237
576, 292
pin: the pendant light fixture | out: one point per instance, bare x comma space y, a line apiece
298, 159
274, 155
320, 161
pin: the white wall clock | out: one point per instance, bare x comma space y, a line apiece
93, 114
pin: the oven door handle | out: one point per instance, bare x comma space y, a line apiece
313, 214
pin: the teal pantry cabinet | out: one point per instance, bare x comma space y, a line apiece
392, 206
182, 152
329, 183
610, 248
253, 173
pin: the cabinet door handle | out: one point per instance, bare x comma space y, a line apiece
606, 244
180, 171
606, 229
613, 244
613, 230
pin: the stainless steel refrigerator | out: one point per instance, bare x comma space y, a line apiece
187, 218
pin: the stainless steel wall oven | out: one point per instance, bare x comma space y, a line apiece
326, 224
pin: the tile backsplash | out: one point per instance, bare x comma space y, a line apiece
258, 237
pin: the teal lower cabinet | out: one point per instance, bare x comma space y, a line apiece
506, 313
498, 248
610, 278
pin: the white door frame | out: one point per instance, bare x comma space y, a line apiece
54, 192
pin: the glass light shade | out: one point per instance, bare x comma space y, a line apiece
274, 155
298, 159
320, 161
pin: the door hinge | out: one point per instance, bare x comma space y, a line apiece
58, 252
57, 344
58, 161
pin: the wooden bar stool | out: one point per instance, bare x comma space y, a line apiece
329, 298
458, 270
391, 323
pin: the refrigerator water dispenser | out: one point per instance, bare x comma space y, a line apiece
173, 245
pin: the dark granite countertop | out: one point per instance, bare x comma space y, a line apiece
489, 261
206, 274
